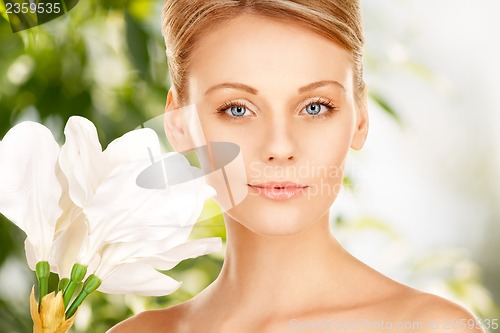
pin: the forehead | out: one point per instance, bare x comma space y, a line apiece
263, 51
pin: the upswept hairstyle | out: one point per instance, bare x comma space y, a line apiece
186, 21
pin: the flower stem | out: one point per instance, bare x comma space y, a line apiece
90, 285
42, 274
77, 274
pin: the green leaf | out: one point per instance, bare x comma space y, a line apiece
137, 41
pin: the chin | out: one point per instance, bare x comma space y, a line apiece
278, 221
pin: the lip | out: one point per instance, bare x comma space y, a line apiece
279, 190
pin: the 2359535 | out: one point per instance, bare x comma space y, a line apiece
33, 8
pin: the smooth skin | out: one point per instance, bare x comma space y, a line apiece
284, 269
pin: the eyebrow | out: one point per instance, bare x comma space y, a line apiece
319, 84
233, 85
253, 91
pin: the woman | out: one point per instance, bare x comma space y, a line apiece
283, 80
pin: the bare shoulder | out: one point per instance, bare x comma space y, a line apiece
164, 320
407, 309
438, 314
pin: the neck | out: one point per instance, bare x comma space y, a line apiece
287, 270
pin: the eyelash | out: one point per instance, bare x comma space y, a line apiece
220, 111
331, 109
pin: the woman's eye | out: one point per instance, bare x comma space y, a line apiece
315, 108
320, 108
237, 110
233, 111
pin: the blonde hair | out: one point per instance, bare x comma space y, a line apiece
186, 21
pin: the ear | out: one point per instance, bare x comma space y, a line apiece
182, 125
361, 129
172, 123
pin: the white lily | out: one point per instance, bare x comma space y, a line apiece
103, 184
29, 187
162, 221
129, 225
121, 211
81, 204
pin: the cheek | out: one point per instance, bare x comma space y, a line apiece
325, 161
246, 139
224, 164
327, 145
334, 148
215, 129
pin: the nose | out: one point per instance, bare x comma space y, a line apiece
279, 142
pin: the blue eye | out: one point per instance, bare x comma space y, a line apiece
238, 110
234, 111
320, 108
314, 108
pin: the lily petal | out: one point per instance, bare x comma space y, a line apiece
81, 160
29, 188
121, 211
166, 252
70, 210
67, 246
193, 249
120, 253
31, 258
138, 279
141, 144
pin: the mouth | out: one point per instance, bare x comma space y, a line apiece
278, 185
278, 191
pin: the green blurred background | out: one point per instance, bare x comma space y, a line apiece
105, 61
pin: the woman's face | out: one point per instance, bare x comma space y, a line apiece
285, 95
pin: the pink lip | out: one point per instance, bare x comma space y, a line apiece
278, 190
